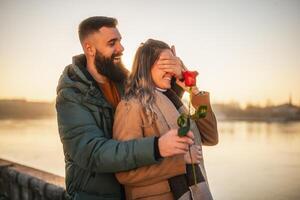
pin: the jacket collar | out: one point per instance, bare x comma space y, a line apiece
80, 63
77, 77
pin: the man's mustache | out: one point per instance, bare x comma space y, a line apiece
116, 55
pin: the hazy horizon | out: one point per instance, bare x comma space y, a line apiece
226, 103
244, 51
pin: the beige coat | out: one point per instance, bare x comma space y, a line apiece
151, 182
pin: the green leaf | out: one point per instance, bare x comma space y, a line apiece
182, 120
182, 131
201, 112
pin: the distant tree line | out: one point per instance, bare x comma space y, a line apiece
22, 109
232, 111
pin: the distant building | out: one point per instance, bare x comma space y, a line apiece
290, 100
287, 110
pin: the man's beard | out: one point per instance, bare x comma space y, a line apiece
107, 67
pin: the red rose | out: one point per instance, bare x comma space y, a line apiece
190, 78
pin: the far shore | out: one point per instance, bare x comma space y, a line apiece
26, 110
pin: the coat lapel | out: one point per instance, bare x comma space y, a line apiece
166, 112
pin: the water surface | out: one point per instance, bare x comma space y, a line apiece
256, 161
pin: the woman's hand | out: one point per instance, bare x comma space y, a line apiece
196, 154
195, 89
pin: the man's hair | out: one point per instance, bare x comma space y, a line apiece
140, 84
93, 24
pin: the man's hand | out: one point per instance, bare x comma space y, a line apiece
196, 154
171, 64
171, 144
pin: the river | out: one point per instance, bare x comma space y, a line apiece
253, 160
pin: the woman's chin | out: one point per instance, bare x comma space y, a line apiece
167, 87
163, 86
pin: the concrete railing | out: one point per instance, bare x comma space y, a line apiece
18, 182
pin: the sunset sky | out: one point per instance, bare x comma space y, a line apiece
245, 51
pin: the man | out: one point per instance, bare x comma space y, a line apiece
87, 95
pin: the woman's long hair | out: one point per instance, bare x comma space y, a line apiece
140, 84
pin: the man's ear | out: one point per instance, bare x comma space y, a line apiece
89, 49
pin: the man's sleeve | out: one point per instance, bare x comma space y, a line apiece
87, 145
129, 125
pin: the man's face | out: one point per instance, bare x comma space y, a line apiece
108, 54
107, 67
108, 42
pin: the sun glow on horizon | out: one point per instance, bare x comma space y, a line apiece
244, 52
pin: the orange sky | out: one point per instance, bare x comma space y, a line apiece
243, 51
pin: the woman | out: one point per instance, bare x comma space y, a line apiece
149, 108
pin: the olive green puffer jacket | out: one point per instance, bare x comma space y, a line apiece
85, 122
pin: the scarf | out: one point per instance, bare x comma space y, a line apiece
183, 186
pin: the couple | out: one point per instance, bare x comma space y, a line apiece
117, 128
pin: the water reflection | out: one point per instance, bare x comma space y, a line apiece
252, 161
34, 143
255, 161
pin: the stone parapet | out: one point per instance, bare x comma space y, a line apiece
19, 182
